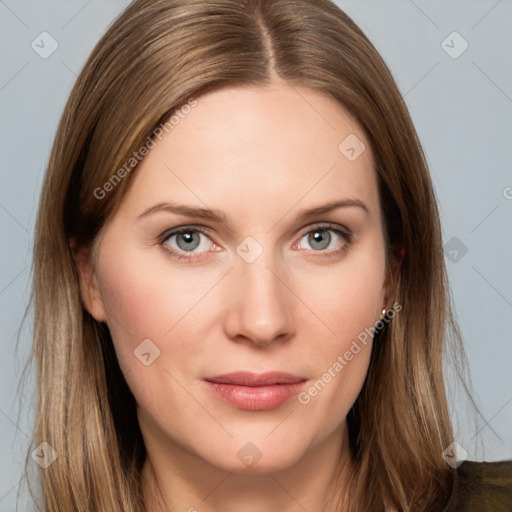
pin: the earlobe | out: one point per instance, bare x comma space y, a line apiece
89, 287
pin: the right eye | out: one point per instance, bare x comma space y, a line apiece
182, 242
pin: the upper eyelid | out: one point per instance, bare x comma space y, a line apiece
326, 225
180, 229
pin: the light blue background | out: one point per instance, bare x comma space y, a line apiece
462, 109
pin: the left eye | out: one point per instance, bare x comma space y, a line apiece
321, 239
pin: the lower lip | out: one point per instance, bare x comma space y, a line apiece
260, 398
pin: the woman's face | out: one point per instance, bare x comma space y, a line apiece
268, 288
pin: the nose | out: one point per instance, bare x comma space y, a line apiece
258, 303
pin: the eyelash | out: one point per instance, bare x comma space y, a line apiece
192, 257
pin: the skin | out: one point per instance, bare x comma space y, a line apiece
261, 155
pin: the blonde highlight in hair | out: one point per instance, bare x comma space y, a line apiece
153, 59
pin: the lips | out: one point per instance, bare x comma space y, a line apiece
255, 392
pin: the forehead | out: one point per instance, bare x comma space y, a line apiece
273, 146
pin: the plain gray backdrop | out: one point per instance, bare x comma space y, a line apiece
452, 62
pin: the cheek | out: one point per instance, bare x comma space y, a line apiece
146, 299
349, 297
348, 301
135, 305
152, 304
141, 302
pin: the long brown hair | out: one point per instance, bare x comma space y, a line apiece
153, 59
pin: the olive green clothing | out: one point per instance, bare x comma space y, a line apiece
482, 487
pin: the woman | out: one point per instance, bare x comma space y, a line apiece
239, 281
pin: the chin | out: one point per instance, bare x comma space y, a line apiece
243, 456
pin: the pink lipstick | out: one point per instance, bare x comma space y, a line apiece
255, 392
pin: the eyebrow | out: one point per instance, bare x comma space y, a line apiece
220, 217
319, 210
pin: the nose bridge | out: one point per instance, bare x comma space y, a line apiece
258, 304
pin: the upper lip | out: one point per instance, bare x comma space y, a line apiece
256, 379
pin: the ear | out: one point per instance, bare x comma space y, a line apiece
393, 271
89, 287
